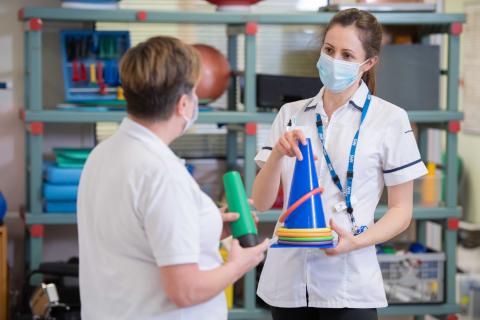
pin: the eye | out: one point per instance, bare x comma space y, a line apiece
347, 56
328, 51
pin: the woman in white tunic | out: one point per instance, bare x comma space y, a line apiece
344, 282
148, 235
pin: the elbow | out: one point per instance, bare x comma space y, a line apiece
407, 219
257, 201
182, 303
260, 203
180, 298
261, 207
405, 225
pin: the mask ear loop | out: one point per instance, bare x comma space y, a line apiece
360, 65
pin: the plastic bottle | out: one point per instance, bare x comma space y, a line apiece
429, 187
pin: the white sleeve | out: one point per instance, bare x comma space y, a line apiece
171, 221
401, 157
276, 131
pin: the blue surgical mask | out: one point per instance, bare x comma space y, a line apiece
337, 75
189, 122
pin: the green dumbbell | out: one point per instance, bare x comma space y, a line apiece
244, 228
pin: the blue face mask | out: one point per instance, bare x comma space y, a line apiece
337, 75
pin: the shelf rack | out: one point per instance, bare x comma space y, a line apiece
246, 24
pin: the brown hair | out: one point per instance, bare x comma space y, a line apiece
370, 34
155, 74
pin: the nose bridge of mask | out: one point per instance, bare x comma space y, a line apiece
342, 64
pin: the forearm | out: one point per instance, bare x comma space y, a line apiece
267, 182
207, 284
194, 286
394, 222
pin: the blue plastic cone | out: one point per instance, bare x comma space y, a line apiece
309, 214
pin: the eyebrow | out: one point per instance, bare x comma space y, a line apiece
329, 44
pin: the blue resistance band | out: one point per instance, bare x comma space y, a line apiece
351, 160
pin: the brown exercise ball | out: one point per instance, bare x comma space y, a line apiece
215, 73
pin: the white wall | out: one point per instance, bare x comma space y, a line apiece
469, 144
60, 242
12, 172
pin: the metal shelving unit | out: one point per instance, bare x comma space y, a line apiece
242, 24
47, 116
419, 213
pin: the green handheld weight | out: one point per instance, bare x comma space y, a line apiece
244, 228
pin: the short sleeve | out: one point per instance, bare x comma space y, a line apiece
171, 221
401, 157
276, 131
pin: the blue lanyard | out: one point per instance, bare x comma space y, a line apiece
347, 192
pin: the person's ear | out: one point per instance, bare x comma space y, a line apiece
370, 64
181, 107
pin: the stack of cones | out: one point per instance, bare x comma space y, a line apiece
305, 237
304, 221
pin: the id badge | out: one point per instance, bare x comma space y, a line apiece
342, 205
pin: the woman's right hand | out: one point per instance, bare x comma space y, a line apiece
245, 259
287, 145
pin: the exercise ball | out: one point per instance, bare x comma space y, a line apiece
229, 5
215, 73
3, 207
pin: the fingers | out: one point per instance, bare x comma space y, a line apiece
263, 246
331, 252
292, 140
285, 146
255, 217
288, 143
342, 236
259, 250
230, 216
294, 136
235, 245
341, 232
300, 136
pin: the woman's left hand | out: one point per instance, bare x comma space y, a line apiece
228, 217
346, 241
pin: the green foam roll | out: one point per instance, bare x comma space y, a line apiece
244, 228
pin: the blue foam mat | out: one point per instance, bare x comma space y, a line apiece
60, 192
60, 207
66, 176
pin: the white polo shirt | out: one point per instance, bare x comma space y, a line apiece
387, 154
139, 209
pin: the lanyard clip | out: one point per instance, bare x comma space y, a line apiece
359, 230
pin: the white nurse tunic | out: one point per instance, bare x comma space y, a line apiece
387, 154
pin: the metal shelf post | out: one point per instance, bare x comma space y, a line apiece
232, 53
